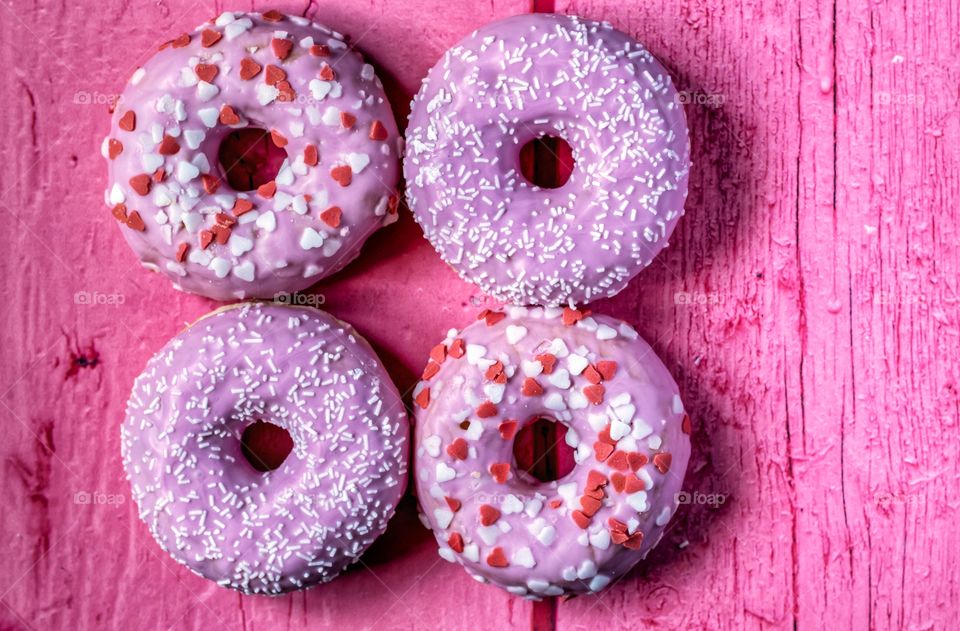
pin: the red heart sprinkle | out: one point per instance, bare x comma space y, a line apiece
618, 480
229, 116
548, 361
458, 449
320, 50
430, 371
592, 375
209, 37
249, 68
492, 317
268, 190
453, 503
135, 222
486, 410
272, 16
602, 450
662, 462
114, 148
331, 216
168, 146
531, 388
686, 425
182, 40
423, 399
140, 184
508, 429
378, 131
500, 471
488, 515
607, 369
206, 72
438, 353
457, 349
618, 461
497, 558
222, 233
636, 460
347, 120
274, 75
278, 138
590, 505
594, 394
182, 251
634, 542
343, 175
616, 525
120, 212
455, 542
632, 484
210, 183
327, 73
580, 518
595, 480
281, 47
206, 238
128, 122
311, 156
159, 175
572, 316
242, 206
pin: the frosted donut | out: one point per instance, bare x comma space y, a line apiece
521, 78
623, 418
210, 509
320, 102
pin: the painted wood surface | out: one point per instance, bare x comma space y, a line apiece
808, 306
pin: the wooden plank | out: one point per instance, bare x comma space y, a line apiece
69, 366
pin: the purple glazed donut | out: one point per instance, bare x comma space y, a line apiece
624, 422
321, 104
519, 79
210, 509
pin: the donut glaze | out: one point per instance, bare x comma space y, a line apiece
625, 422
521, 78
207, 506
320, 101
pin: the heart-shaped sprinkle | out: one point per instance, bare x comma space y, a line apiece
120, 212
497, 558
327, 73
229, 116
602, 450
636, 460
268, 190
274, 75
548, 361
320, 50
331, 216
249, 68
455, 541
618, 460
423, 399
500, 471
182, 250
272, 16
342, 175
508, 429
378, 131
580, 518
182, 40
453, 503
486, 410
135, 222
457, 349
311, 156
607, 369
347, 120
210, 183
209, 37
114, 148
242, 206
206, 238
168, 146
278, 138
488, 515
206, 72
128, 122
281, 47
662, 462
531, 388
594, 394
458, 449
140, 184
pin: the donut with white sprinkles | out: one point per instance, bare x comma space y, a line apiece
514, 81
625, 424
321, 104
210, 509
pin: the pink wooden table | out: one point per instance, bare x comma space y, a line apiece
808, 308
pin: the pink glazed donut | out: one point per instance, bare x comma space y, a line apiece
321, 104
530, 76
624, 422
207, 506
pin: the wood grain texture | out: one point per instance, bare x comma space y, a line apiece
808, 307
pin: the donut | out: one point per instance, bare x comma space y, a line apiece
307, 95
622, 419
265, 532
533, 76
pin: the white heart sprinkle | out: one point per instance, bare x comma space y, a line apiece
358, 161
206, 91
209, 116
445, 473
239, 245
432, 445
245, 271
524, 558
267, 221
220, 267
515, 333
311, 239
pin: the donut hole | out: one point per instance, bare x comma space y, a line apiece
547, 161
541, 450
249, 158
265, 445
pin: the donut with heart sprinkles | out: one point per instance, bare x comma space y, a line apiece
517, 80
321, 122
301, 523
621, 420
